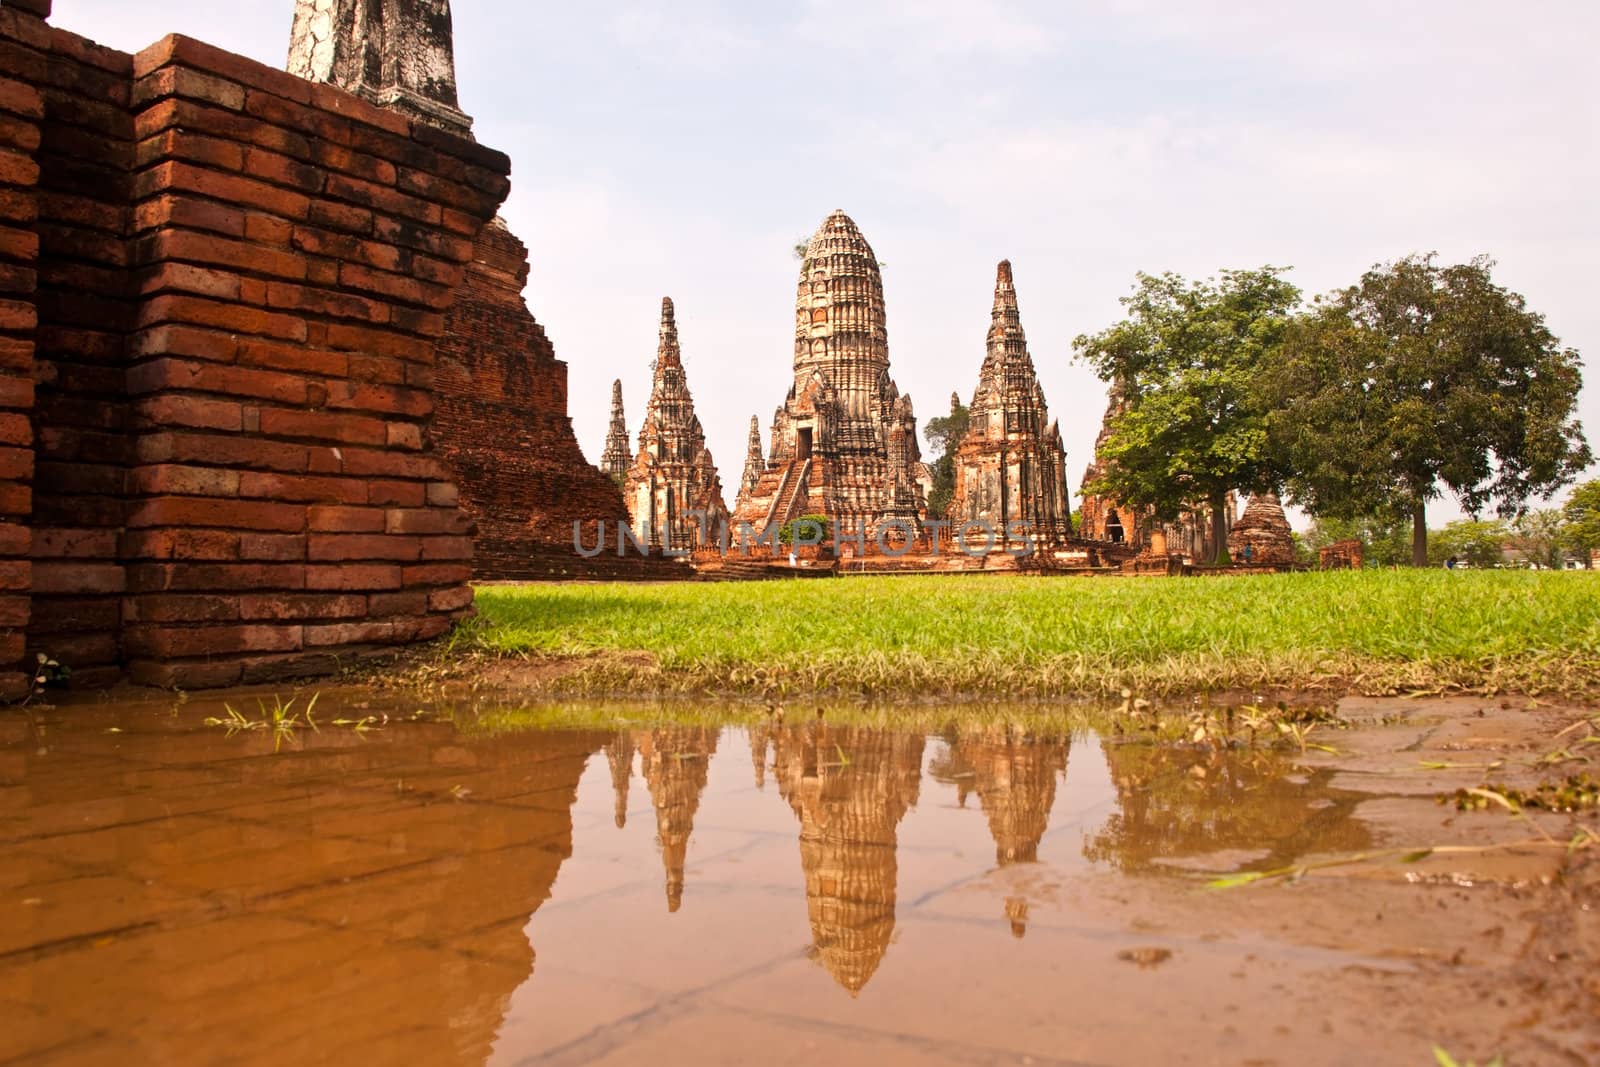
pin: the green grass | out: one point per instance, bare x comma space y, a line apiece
1026, 637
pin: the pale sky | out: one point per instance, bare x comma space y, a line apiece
681, 150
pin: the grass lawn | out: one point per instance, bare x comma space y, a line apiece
998, 636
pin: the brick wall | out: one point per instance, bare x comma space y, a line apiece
238, 279
21, 112
502, 427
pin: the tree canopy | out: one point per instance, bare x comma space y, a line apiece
1419, 380
945, 433
1581, 532
1184, 365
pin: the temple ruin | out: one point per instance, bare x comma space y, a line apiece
614, 460
1011, 466
844, 443
1261, 536
675, 762
673, 492
1186, 538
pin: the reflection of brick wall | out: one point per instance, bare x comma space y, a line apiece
502, 424
240, 277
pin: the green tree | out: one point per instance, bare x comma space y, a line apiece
945, 434
1423, 379
1185, 363
1540, 537
1581, 528
1481, 543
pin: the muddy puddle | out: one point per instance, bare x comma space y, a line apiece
421, 892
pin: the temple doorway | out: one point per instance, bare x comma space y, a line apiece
803, 444
1114, 527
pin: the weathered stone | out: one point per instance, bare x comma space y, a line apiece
754, 466
1011, 466
673, 493
1261, 536
398, 54
501, 425
614, 460
1344, 555
844, 443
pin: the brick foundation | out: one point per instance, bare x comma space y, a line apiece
220, 288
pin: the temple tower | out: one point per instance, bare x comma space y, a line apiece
754, 466
673, 493
1262, 534
1011, 466
614, 460
399, 54
844, 443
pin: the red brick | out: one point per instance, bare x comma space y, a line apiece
302, 606
189, 545
177, 176
169, 642
356, 578
183, 376
451, 599
338, 546
272, 547
302, 489
324, 519
413, 602
189, 481
196, 311
214, 577
395, 494
175, 340
352, 633
446, 548
217, 512
58, 578
193, 412
323, 426
177, 607
424, 521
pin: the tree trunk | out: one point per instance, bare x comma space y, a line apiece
1419, 534
1219, 529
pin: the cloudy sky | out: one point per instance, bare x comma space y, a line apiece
683, 149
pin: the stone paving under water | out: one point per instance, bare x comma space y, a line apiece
173, 893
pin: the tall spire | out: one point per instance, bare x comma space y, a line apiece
667, 350
614, 460
754, 464
398, 54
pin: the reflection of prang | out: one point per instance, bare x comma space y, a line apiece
1014, 774
675, 761
619, 754
850, 788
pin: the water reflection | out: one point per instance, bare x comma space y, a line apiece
1014, 773
184, 895
1179, 803
849, 787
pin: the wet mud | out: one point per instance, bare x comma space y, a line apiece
390, 888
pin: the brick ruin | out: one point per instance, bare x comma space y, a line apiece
500, 423
1261, 536
1011, 466
844, 443
502, 428
223, 288
1188, 537
672, 489
1347, 555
